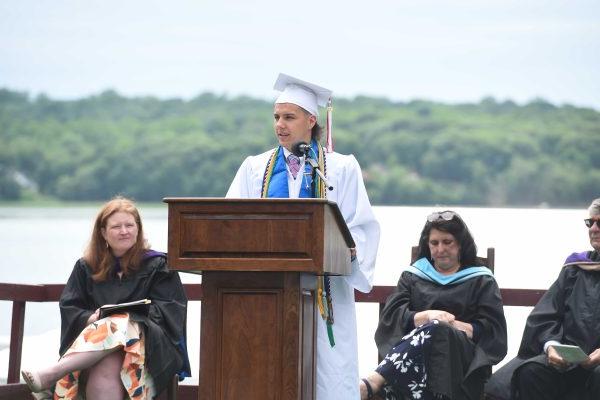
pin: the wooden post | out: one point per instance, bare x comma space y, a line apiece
16, 342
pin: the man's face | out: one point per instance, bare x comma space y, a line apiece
292, 124
594, 232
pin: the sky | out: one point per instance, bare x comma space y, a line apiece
447, 51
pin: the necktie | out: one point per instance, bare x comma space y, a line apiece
294, 164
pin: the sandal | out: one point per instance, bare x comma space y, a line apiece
33, 381
369, 388
43, 395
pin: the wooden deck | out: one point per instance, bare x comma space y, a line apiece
19, 295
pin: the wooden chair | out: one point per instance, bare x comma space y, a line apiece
172, 388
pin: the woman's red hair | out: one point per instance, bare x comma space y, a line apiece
98, 255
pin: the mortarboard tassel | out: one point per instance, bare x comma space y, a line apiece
329, 125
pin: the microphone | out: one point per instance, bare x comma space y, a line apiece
301, 149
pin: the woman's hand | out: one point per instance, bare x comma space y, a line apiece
94, 317
463, 326
426, 316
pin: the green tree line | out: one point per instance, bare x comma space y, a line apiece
489, 153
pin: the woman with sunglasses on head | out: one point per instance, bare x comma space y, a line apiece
567, 314
443, 328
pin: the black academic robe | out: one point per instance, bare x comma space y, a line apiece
568, 313
476, 300
164, 326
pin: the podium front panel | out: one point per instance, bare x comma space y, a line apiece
256, 235
258, 337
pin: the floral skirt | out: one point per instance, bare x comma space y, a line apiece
404, 366
430, 363
108, 333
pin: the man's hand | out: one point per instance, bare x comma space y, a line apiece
353, 252
593, 360
555, 360
426, 316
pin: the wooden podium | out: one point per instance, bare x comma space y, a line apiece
258, 318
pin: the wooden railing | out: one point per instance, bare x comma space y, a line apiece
20, 294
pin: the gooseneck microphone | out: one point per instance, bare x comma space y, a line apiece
303, 149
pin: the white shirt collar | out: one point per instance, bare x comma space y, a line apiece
286, 153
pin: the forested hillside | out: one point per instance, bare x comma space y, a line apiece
490, 153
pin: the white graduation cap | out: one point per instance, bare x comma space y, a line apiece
304, 94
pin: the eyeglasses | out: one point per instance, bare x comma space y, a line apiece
436, 216
590, 222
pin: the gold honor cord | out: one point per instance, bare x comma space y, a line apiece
268, 173
321, 301
325, 305
321, 187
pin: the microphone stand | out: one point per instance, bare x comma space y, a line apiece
305, 149
315, 169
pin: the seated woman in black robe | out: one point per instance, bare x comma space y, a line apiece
568, 314
133, 353
443, 328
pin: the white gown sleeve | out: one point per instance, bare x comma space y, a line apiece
356, 209
240, 186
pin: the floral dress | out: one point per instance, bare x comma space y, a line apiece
108, 333
404, 368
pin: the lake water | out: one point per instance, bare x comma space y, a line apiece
41, 245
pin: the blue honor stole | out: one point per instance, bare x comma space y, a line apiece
275, 181
423, 269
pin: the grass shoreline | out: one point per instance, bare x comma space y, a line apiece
67, 204
52, 203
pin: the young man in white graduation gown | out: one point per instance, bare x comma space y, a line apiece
276, 174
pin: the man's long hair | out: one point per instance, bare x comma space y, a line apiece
458, 229
316, 132
98, 254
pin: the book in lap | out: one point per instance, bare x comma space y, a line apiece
571, 354
138, 306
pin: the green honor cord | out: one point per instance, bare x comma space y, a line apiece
329, 303
330, 334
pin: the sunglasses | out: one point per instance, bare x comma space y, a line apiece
590, 222
436, 216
